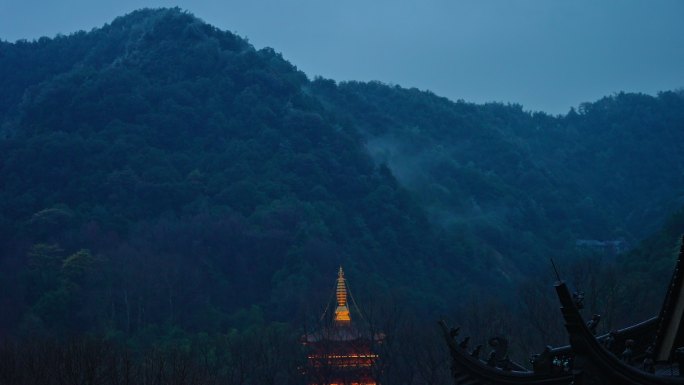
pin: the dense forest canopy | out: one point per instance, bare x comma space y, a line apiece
159, 174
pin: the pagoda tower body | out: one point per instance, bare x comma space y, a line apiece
341, 353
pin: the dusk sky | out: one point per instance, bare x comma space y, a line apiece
547, 55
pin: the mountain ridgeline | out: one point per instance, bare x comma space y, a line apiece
160, 172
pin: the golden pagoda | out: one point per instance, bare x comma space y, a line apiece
341, 353
342, 316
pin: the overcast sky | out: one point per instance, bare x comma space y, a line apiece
544, 54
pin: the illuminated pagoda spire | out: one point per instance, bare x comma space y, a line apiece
341, 353
342, 316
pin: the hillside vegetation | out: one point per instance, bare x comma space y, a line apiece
159, 173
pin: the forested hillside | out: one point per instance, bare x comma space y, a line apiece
528, 185
160, 171
158, 174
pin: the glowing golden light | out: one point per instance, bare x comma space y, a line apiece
341, 354
342, 311
355, 383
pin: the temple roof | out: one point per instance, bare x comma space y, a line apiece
619, 357
340, 333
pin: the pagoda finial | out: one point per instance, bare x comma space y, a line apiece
342, 311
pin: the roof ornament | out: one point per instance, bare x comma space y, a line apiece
555, 270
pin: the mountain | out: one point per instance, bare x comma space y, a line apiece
647, 267
160, 172
528, 184
184, 175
